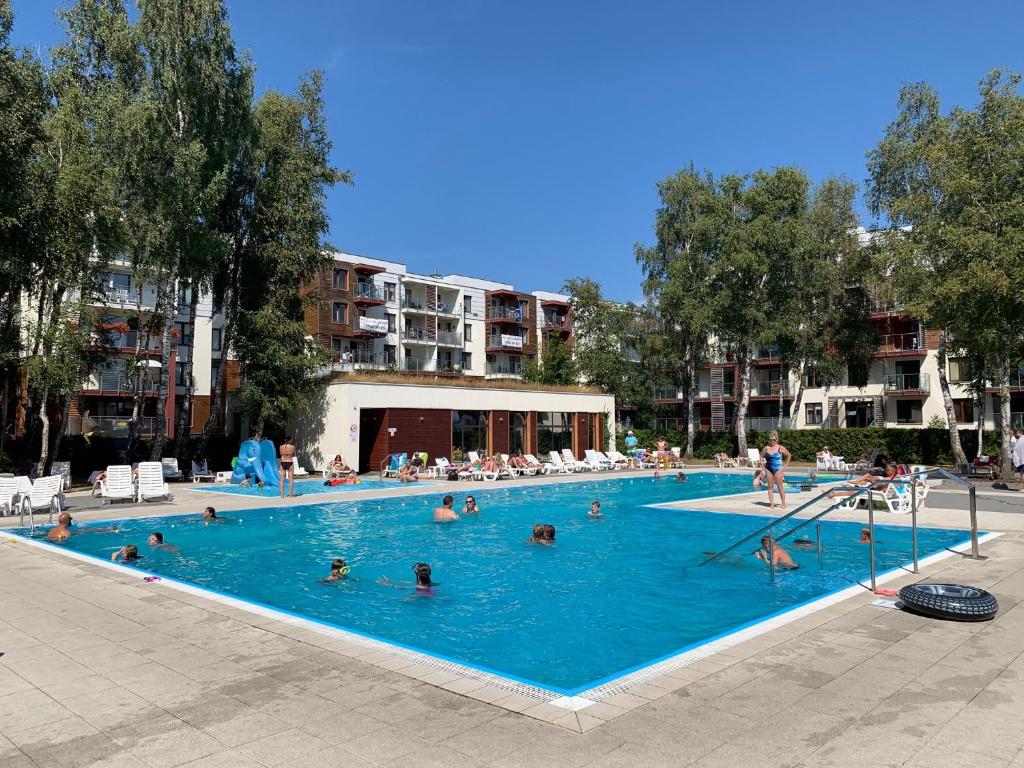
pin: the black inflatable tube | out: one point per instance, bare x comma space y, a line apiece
949, 601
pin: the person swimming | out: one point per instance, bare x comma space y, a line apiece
209, 514
549, 533
62, 530
865, 536
156, 541
339, 569
445, 513
128, 553
471, 508
595, 509
771, 552
681, 477
423, 584
537, 537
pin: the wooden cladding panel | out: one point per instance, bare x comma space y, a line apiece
498, 428
531, 432
420, 430
200, 412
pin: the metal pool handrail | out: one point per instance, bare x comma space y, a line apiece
785, 517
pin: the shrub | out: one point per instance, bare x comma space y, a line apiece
908, 446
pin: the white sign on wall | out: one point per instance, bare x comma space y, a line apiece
375, 324
511, 341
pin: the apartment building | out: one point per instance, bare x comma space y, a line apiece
377, 315
900, 389
123, 308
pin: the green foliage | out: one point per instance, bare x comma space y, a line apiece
556, 365
907, 446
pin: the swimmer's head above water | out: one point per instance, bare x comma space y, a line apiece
422, 571
339, 568
209, 514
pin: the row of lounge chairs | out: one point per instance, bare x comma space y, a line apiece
122, 483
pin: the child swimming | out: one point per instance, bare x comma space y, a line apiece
595, 509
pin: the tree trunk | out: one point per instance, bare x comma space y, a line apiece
185, 417
65, 415
782, 398
947, 400
44, 419
744, 402
1005, 458
794, 411
691, 393
141, 342
219, 394
163, 391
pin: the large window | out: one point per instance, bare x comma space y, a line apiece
554, 432
339, 313
812, 413
339, 280
908, 412
391, 323
469, 432
964, 408
516, 432
389, 293
215, 339
959, 370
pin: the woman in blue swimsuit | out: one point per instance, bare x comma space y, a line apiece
776, 459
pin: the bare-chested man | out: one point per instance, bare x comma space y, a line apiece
287, 450
62, 529
445, 513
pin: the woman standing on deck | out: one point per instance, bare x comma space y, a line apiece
776, 459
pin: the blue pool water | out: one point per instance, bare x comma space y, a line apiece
302, 488
612, 594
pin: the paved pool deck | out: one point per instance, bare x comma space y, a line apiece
100, 668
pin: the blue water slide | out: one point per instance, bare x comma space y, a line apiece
257, 462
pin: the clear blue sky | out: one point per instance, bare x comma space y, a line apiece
521, 140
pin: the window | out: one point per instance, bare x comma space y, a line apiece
337, 345
554, 432
389, 354
467, 360
523, 313
908, 412
959, 370
184, 337
964, 408
469, 432
810, 380
179, 375
857, 374
215, 339
339, 313
516, 432
339, 280
214, 376
389, 293
812, 413
467, 332
467, 305
391, 323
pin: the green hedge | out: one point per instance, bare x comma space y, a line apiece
907, 446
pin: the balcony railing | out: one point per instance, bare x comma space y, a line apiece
449, 339
1017, 420
503, 371
902, 382
369, 291
121, 383
514, 343
767, 423
666, 393
556, 322
899, 342
416, 364
771, 388
119, 425
415, 334
414, 304
766, 353
360, 360
117, 295
505, 313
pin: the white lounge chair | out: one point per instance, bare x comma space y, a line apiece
556, 465
724, 460
169, 467
45, 494
299, 471
753, 458
539, 466
597, 462
201, 471
11, 489
151, 482
677, 458
223, 477
618, 460
570, 461
63, 469
118, 485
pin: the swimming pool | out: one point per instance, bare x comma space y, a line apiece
302, 488
612, 594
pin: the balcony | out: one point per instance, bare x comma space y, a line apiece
417, 364
907, 382
505, 315
666, 393
119, 383
890, 344
360, 360
767, 423
414, 304
771, 389
368, 294
503, 371
415, 335
446, 339
504, 343
768, 354
118, 426
450, 307
557, 323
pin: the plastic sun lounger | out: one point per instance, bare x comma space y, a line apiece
151, 481
570, 461
45, 494
201, 472
118, 485
169, 467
